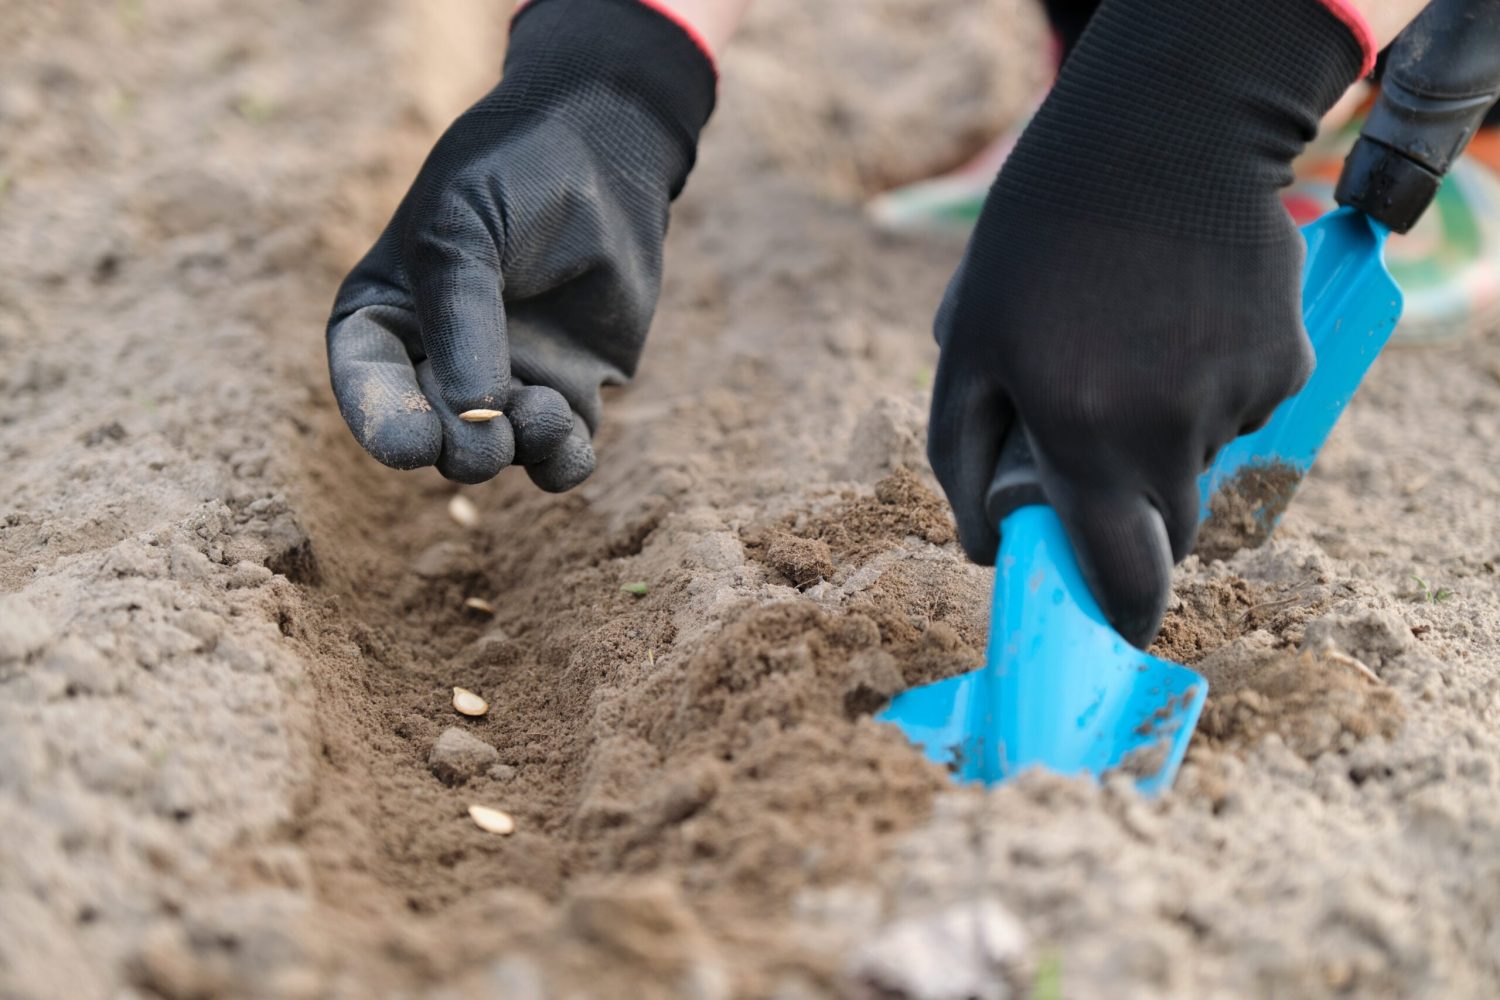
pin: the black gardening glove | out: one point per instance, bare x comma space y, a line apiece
1131, 292
521, 270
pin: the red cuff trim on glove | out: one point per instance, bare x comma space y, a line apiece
687, 29
1358, 26
661, 10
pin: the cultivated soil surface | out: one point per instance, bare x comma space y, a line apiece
229, 766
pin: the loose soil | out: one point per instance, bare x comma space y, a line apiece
1245, 510
228, 639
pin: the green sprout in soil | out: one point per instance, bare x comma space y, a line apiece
637, 588
1046, 984
255, 108
120, 104
1428, 595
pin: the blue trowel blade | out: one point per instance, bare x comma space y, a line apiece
1060, 688
1350, 305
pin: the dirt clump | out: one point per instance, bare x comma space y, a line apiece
1245, 509
458, 756
902, 506
1212, 607
1207, 614
731, 754
1317, 704
803, 561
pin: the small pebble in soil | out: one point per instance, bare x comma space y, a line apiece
466, 702
492, 820
480, 416
462, 510
479, 604
459, 755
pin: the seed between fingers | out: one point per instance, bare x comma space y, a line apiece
479, 416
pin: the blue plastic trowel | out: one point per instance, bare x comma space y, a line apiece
1442, 77
1060, 688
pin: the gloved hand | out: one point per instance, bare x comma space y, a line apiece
522, 268
1131, 292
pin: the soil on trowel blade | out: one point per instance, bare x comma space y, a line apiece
1245, 509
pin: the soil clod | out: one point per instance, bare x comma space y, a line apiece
1316, 704
459, 755
803, 561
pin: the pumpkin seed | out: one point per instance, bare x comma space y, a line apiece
466, 702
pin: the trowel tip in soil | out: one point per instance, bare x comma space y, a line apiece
466, 702
479, 604
479, 416
492, 820
1060, 689
462, 510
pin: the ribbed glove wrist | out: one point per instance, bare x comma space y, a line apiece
575, 58
1183, 116
1131, 290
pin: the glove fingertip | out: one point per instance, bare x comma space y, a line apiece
978, 539
411, 443
967, 426
542, 421
477, 454
390, 418
470, 452
572, 463
1125, 556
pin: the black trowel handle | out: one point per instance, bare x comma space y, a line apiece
1017, 483
1442, 75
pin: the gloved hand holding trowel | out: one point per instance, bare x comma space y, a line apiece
1131, 291
1131, 295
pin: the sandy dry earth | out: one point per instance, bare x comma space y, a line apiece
228, 765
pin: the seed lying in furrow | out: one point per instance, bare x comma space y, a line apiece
492, 820
466, 702
462, 510
479, 604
